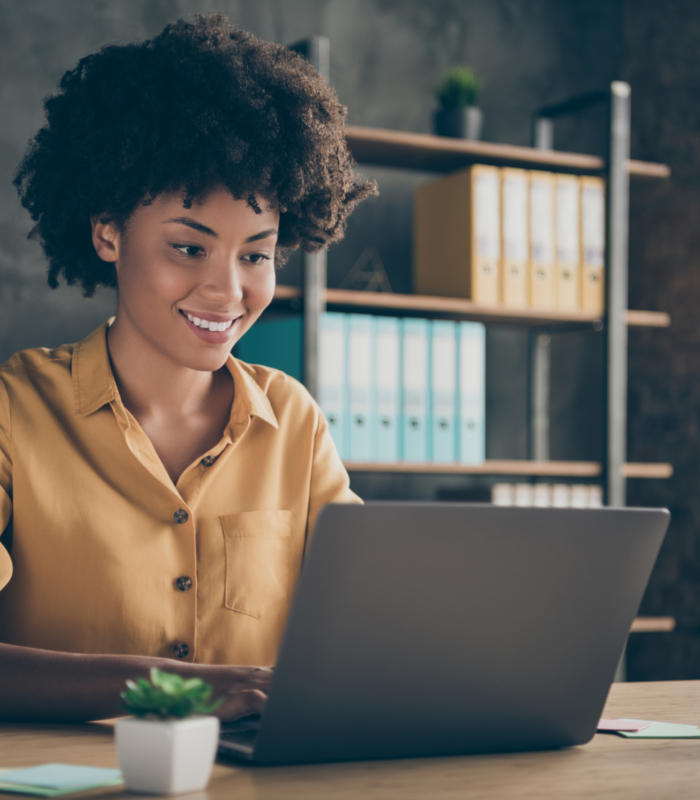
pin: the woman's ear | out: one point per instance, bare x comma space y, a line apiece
106, 239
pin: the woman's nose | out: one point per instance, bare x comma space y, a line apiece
224, 284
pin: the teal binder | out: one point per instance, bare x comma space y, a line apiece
443, 392
332, 377
472, 392
387, 389
360, 373
415, 358
275, 342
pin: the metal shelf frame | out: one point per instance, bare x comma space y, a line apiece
617, 174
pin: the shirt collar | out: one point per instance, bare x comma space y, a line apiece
94, 385
249, 399
93, 382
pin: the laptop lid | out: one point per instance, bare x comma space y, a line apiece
430, 629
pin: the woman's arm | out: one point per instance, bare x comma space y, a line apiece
46, 686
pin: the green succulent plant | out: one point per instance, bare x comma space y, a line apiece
168, 696
459, 87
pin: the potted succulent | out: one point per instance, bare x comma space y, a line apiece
458, 114
169, 743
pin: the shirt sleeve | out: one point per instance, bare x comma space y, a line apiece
330, 482
5, 482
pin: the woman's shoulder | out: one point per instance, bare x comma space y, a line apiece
24, 362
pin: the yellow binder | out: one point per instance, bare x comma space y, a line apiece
593, 244
514, 238
568, 251
457, 247
543, 287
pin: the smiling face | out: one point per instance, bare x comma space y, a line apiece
191, 281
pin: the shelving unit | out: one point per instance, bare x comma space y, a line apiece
416, 151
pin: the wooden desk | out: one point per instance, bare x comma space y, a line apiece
608, 767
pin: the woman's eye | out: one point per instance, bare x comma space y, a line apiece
257, 258
188, 249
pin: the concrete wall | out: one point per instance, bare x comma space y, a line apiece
663, 67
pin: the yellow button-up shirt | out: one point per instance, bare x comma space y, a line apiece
103, 554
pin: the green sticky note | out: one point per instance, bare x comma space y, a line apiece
664, 730
50, 780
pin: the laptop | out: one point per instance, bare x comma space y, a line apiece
435, 629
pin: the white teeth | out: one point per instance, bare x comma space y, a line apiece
205, 324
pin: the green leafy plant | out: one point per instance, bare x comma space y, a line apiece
459, 87
166, 696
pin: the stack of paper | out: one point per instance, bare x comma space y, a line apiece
51, 780
645, 729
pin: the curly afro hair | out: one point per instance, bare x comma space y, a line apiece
202, 104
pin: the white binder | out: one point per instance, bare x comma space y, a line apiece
472, 392
385, 441
514, 230
360, 328
443, 392
542, 276
331, 383
568, 248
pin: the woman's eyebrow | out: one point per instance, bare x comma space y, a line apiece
191, 223
261, 235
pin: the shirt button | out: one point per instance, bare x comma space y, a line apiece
181, 650
180, 516
207, 461
183, 583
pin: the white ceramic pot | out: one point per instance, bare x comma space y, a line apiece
166, 757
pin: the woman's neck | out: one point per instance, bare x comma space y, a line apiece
149, 382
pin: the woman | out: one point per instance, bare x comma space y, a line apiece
156, 495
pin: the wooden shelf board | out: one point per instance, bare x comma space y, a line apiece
653, 625
568, 469
283, 292
648, 319
631, 470
424, 151
466, 308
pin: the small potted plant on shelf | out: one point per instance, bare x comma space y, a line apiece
458, 114
169, 743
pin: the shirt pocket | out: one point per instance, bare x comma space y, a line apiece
257, 560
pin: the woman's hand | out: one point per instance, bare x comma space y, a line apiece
244, 690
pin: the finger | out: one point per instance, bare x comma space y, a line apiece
241, 704
253, 678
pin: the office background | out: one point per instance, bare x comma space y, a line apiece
386, 57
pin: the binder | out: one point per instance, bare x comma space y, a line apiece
414, 389
568, 251
514, 238
331, 379
457, 235
443, 392
593, 244
543, 293
360, 372
275, 342
472, 392
385, 440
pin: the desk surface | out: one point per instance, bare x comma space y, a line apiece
607, 767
